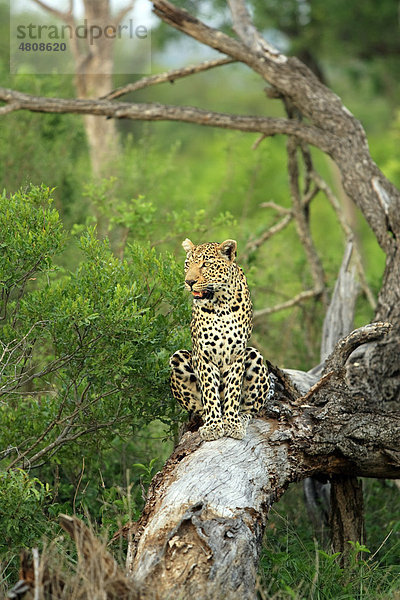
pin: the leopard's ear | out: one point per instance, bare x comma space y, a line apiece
228, 249
187, 245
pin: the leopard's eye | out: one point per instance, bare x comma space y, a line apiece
207, 263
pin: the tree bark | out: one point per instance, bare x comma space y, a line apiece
200, 532
94, 69
347, 505
338, 502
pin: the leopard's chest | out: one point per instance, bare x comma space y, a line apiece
219, 335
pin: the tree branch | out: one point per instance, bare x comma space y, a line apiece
159, 112
183, 21
8, 108
363, 335
168, 76
249, 35
306, 295
302, 224
123, 12
252, 245
362, 180
64, 16
324, 187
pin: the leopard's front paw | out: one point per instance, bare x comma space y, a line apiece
212, 431
236, 428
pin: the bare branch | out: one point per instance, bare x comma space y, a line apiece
280, 209
325, 188
346, 141
249, 35
123, 12
258, 142
313, 389
159, 112
9, 108
168, 76
183, 21
252, 245
363, 335
37, 441
303, 227
64, 438
306, 295
64, 16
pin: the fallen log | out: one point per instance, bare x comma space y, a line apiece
201, 530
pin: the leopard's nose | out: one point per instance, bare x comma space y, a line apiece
190, 282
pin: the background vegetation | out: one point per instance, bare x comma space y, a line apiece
92, 296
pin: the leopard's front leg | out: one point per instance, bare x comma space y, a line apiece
234, 424
208, 378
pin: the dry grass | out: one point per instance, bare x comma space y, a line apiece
86, 571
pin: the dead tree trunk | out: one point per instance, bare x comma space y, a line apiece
338, 502
200, 532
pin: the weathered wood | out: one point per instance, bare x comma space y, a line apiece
338, 501
339, 317
346, 515
269, 126
200, 532
205, 514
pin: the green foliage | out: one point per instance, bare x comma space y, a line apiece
85, 354
52, 149
22, 505
31, 234
294, 565
108, 329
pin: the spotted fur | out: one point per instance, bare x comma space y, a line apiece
222, 379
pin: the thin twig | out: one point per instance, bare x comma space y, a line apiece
325, 188
306, 295
64, 16
167, 76
123, 12
303, 227
77, 487
320, 383
258, 142
280, 209
37, 441
252, 245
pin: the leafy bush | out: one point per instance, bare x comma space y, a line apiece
22, 500
85, 355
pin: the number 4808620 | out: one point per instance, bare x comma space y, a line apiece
42, 47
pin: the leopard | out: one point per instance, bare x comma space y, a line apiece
223, 380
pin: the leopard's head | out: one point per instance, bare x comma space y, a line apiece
208, 267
